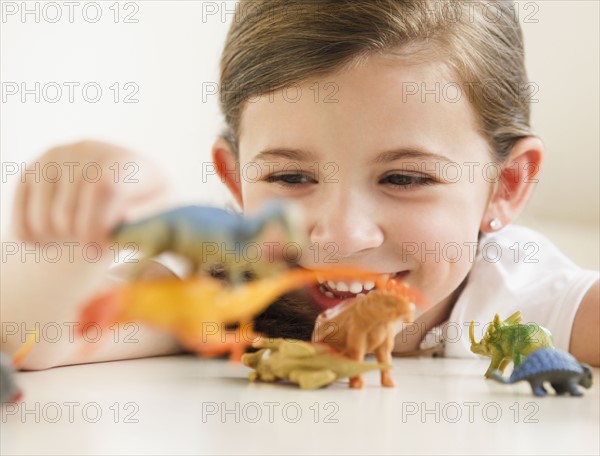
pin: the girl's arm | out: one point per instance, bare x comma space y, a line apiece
59, 251
46, 297
585, 338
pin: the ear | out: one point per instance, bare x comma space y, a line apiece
228, 168
515, 183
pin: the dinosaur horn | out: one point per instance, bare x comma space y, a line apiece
472, 332
514, 318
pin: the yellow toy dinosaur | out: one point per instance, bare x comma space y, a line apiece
188, 308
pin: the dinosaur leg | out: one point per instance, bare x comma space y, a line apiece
572, 387
538, 388
312, 379
518, 359
495, 364
560, 388
504, 364
384, 356
356, 350
253, 360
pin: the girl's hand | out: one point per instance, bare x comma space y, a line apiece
82, 191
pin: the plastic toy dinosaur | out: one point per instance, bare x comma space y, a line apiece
188, 308
9, 391
551, 365
212, 238
366, 323
509, 340
310, 365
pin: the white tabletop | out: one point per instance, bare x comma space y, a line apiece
186, 405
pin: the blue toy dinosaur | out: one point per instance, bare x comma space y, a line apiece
214, 239
559, 368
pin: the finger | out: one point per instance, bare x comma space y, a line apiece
90, 206
40, 207
64, 208
120, 202
107, 204
19, 212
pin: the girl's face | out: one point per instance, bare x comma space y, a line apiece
387, 161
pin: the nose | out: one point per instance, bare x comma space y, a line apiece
344, 225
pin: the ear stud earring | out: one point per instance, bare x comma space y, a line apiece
495, 224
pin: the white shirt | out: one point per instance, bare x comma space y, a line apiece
517, 268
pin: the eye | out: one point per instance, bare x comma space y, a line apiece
406, 181
290, 179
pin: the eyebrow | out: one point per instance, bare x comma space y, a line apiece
290, 154
407, 152
384, 157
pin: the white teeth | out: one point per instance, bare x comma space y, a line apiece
341, 286
356, 287
368, 285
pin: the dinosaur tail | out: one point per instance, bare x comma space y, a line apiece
497, 375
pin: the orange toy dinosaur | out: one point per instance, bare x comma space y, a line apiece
365, 324
189, 308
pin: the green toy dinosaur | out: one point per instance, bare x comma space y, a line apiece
310, 365
509, 340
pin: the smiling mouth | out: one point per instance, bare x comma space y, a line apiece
328, 293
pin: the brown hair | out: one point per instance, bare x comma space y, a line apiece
273, 44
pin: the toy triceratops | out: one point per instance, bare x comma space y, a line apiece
551, 365
310, 365
212, 238
509, 340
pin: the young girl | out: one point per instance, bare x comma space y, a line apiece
402, 129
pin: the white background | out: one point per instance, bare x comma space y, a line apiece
173, 50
